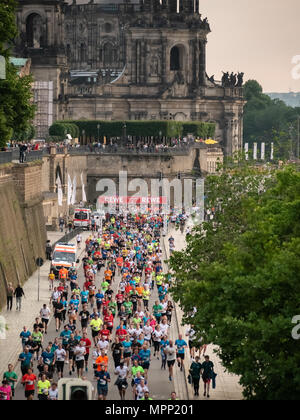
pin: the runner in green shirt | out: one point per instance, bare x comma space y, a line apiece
104, 286
11, 377
113, 306
43, 388
128, 307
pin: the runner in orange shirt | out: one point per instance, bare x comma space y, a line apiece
63, 274
102, 359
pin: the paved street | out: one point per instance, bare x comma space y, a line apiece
159, 384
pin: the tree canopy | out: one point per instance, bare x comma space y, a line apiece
267, 120
242, 274
16, 107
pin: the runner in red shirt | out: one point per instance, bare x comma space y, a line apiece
88, 345
29, 380
105, 303
121, 333
105, 332
109, 321
87, 284
128, 288
120, 299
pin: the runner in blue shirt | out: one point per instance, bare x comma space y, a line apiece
47, 357
163, 344
84, 296
103, 378
25, 334
145, 355
181, 345
25, 359
65, 335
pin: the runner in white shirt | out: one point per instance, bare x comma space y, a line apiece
78, 239
53, 392
147, 330
141, 389
122, 372
157, 335
80, 352
59, 359
45, 315
170, 352
103, 345
164, 328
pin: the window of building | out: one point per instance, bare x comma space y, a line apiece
175, 59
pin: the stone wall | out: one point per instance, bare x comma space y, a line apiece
22, 227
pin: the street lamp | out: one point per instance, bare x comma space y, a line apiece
124, 131
98, 128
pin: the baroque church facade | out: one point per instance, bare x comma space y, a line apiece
128, 60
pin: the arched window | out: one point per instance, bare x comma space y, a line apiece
175, 59
108, 54
34, 28
108, 27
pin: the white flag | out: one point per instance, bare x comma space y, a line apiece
263, 148
272, 151
59, 192
70, 189
247, 151
73, 200
83, 189
254, 151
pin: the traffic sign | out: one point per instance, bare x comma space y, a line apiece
39, 262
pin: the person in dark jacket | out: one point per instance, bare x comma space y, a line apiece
195, 371
19, 293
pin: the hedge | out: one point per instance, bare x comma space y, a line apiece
61, 128
152, 128
199, 129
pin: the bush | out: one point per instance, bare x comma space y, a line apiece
199, 129
138, 128
60, 129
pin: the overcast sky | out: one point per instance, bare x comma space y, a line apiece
258, 37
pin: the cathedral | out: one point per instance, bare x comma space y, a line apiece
128, 60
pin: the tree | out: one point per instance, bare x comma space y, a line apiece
267, 120
8, 28
243, 277
16, 108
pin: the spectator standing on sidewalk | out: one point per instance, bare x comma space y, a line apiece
195, 371
10, 296
48, 250
19, 293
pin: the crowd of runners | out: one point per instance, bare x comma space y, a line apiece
108, 317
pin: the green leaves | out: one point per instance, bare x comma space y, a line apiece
244, 279
15, 104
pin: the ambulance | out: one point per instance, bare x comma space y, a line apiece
64, 255
82, 218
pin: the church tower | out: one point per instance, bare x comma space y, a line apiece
41, 25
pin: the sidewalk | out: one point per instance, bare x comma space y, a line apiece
227, 385
11, 347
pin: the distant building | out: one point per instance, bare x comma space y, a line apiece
129, 60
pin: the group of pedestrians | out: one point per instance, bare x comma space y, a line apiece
17, 293
120, 315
